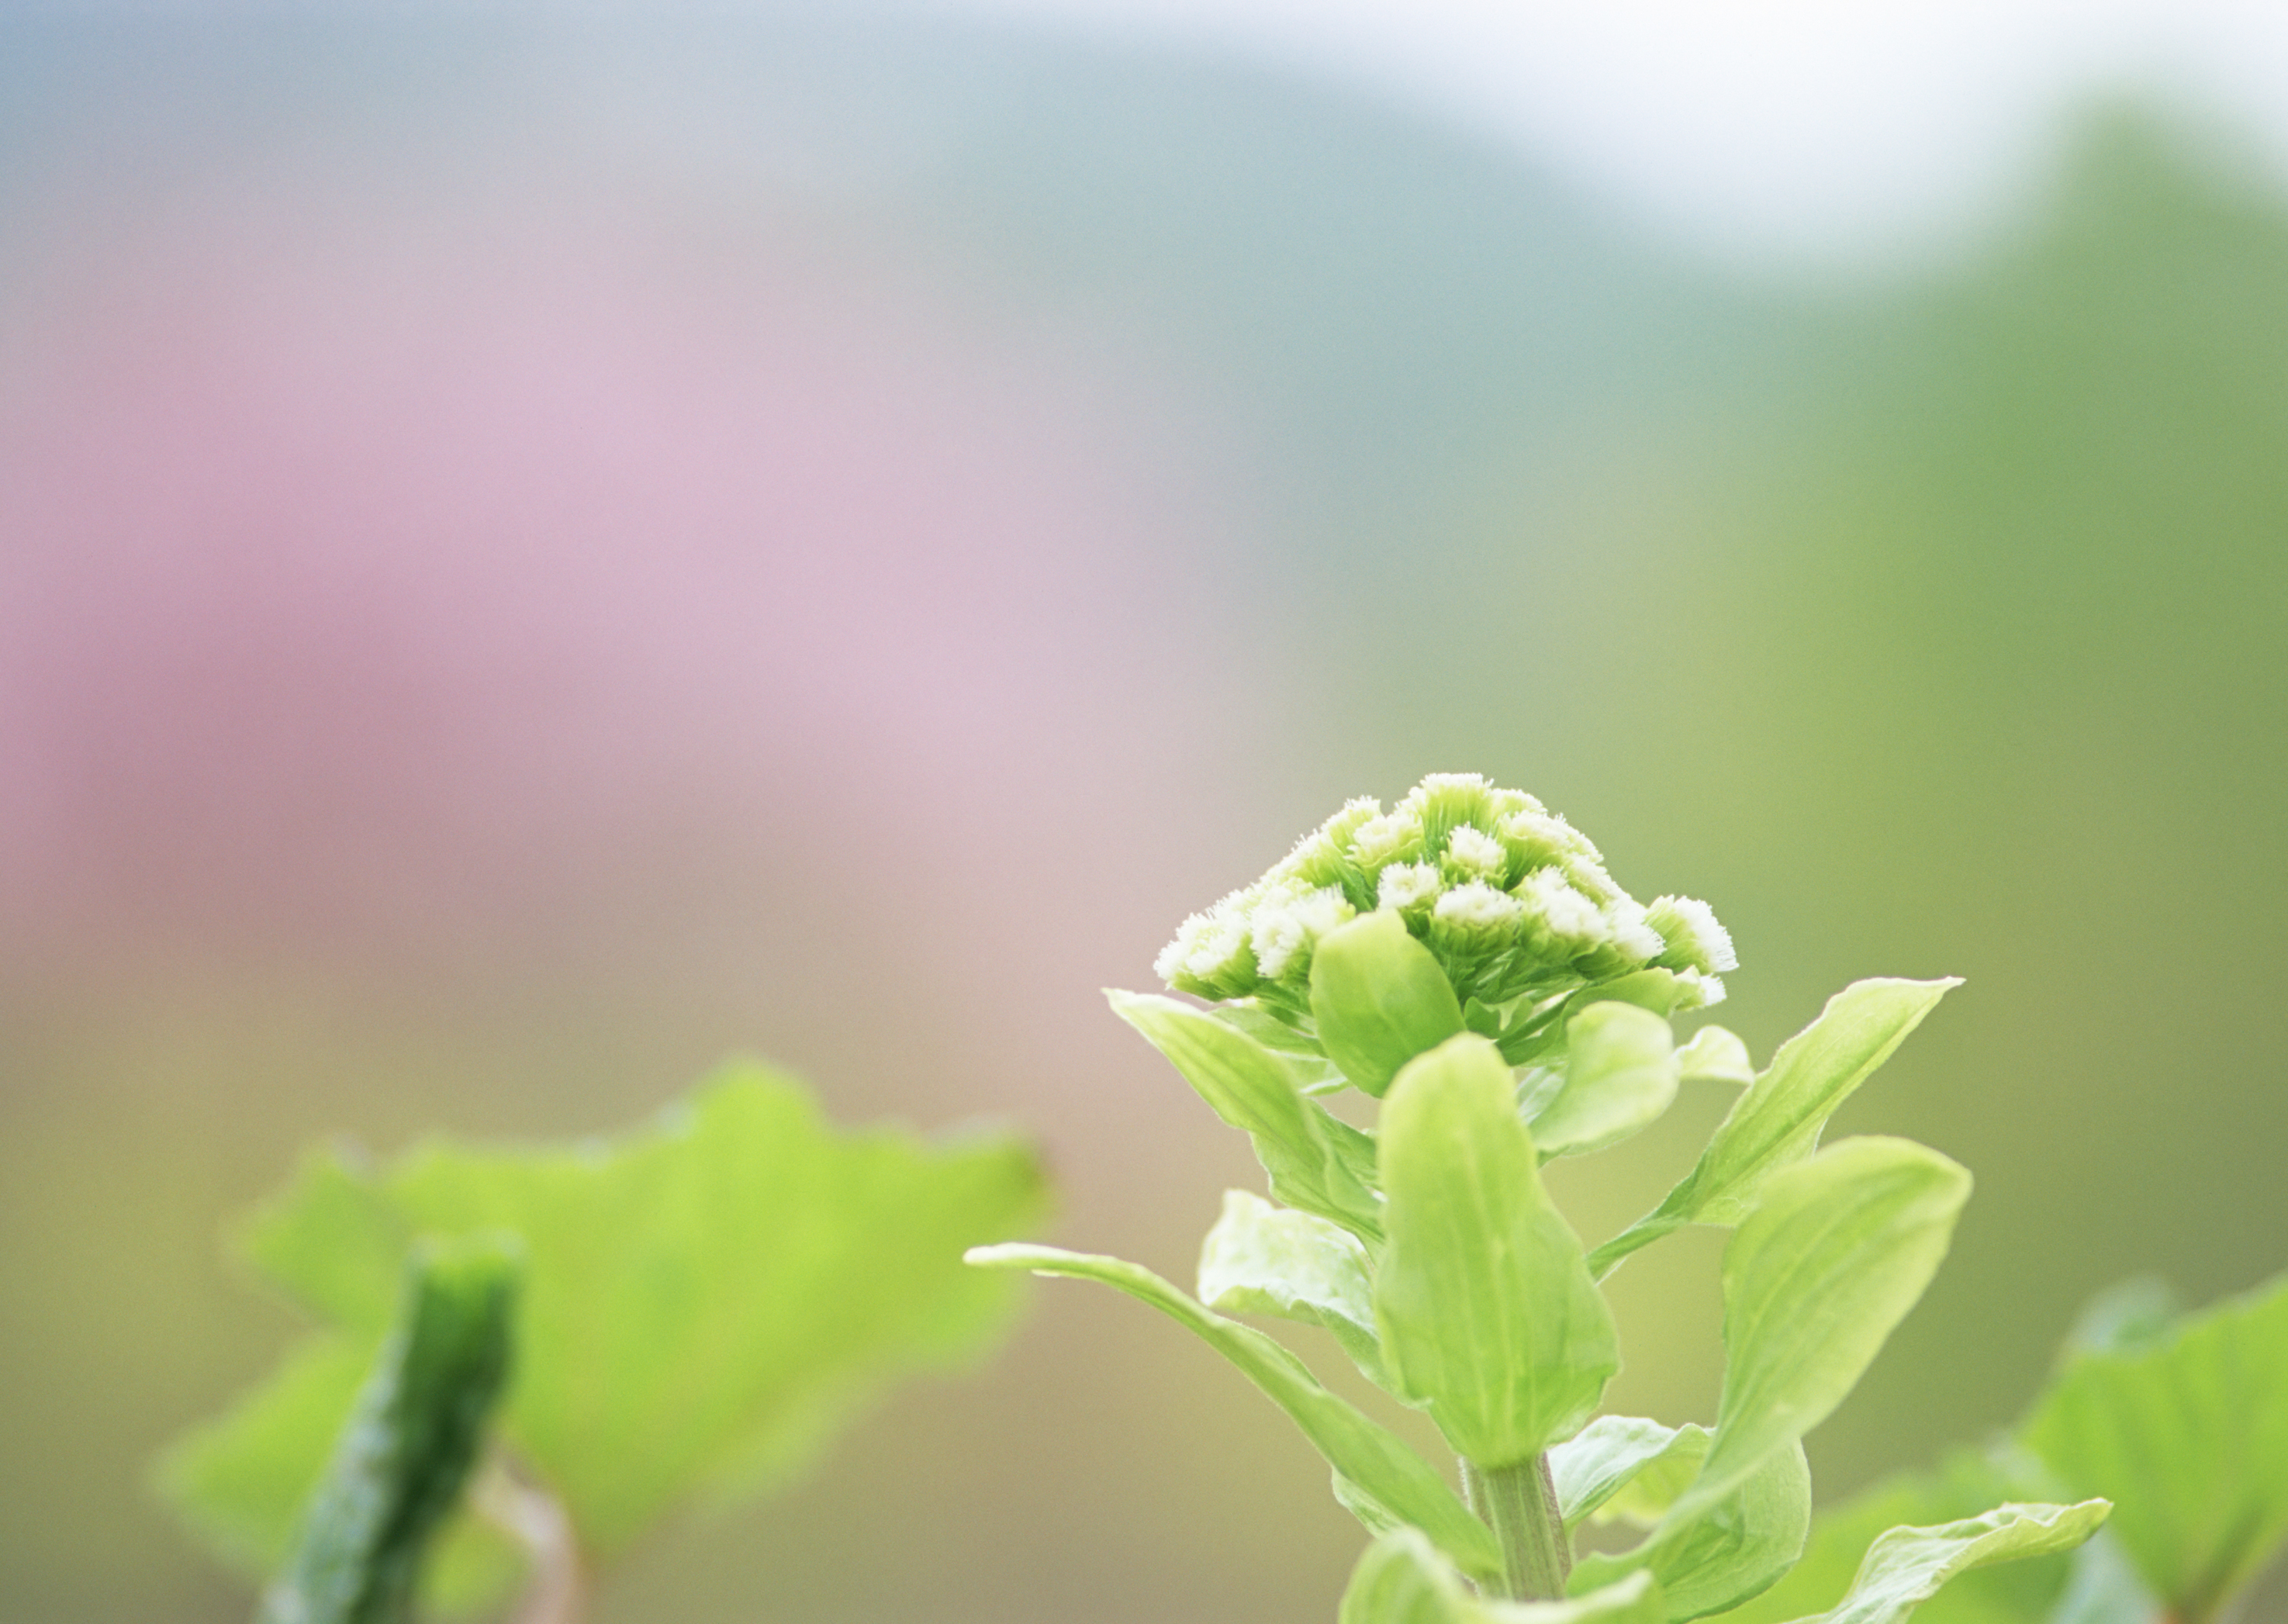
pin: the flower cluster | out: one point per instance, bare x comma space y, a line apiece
1512, 900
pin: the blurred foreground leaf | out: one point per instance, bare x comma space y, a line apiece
706, 1300
2187, 1434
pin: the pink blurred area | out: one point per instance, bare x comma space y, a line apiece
379, 584
470, 662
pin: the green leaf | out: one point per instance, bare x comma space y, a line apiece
1611, 1452
1317, 1163
1620, 1074
1813, 1282
1713, 1055
1778, 1121
1403, 1580
1380, 998
1312, 1072
2189, 1437
1713, 1556
1486, 1310
400, 1465
1906, 1566
1648, 1497
1261, 1259
1378, 1468
1965, 1483
707, 1298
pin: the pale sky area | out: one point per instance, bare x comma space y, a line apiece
1765, 131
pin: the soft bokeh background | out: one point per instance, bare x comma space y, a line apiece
538, 549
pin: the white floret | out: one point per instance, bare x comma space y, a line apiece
1478, 909
1692, 930
1562, 913
1476, 852
1408, 885
1378, 840
1632, 933
1287, 924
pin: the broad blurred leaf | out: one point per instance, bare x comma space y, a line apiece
1619, 1074
707, 1298
401, 1461
1316, 1162
1403, 1580
1907, 1566
1839, 1250
2189, 1437
1778, 1121
1609, 1455
1486, 1308
1380, 998
1396, 1485
2129, 1318
1261, 1259
1713, 1556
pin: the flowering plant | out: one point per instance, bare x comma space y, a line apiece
1466, 960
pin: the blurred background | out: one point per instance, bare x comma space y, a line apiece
541, 548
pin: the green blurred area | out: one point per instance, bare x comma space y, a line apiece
1930, 625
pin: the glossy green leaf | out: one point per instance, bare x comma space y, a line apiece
1486, 1308
1261, 1259
1840, 1248
1906, 1566
707, 1298
1380, 998
1403, 1580
1317, 1163
1710, 1557
1612, 1452
1713, 1055
1619, 1076
1776, 1122
403, 1457
1399, 1484
2189, 1437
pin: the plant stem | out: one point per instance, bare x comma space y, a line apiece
556, 1588
1521, 1503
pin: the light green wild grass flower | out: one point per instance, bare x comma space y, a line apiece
1512, 900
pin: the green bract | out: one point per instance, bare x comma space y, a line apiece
1465, 959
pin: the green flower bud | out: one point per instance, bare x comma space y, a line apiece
1511, 902
1473, 854
1694, 941
1288, 921
1211, 957
1394, 837
1413, 888
1445, 802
